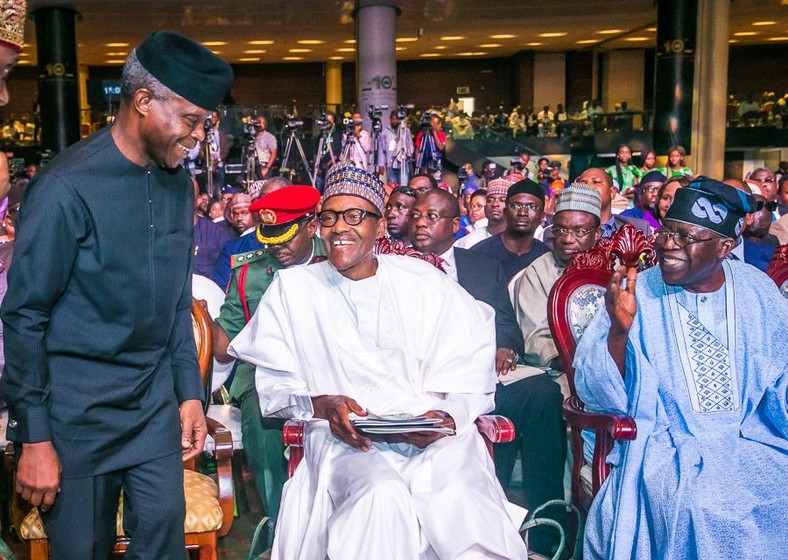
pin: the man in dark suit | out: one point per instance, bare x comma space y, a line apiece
101, 374
532, 403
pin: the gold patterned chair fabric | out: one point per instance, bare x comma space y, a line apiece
209, 502
203, 512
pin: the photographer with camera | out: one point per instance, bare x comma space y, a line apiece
396, 147
430, 143
357, 142
265, 148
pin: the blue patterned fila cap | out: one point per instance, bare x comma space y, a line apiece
345, 178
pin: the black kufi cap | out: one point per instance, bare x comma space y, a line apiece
526, 186
186, 67
712, 205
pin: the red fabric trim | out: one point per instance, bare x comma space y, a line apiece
242, 292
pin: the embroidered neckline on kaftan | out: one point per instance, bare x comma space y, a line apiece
709, 367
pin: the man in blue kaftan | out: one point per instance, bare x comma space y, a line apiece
695, 351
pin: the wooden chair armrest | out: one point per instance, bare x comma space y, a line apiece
607, 428
223, 453
496, 429
293, 438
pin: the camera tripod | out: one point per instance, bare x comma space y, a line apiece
249, 157
322, 141
294, 139
426, 149
351, 149
403, 153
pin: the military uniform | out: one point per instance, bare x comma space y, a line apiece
262, 437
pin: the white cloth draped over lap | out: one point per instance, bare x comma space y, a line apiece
706, 382
397, 342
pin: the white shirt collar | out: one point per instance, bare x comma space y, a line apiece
450, 264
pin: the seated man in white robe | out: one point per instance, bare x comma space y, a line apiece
694, 350
357, 335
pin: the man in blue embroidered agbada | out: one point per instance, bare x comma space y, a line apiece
695, 351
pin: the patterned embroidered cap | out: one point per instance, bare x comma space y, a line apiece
345, 178
12, 23
580, 198
712, 205
499, 186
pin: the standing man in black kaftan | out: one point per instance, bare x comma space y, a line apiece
101, 373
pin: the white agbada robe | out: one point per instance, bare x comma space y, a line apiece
396, 343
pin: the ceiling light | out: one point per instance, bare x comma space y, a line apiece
299, 50
400, 48
261, 42
28, 54
350, 41
503, 36
429, 55
588, 41
336, 58
474, 53
777, 39
216, 52
610, 31
214, 43
346, 49
490, 45
255, 51
763, 23
652, 29
534, 44
310, 42
24, 62
440, 47
745, 33
556, 34
115, 61
116, 44
121, 53
406, 39
733, 40
249, 59
292, 58
452, 38
636, 39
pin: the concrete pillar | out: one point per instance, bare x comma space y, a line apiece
675, 63
58, 73
711, 88
333, 85
376, 61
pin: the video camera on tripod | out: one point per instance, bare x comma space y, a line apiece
426, 121
250, 128
375, 113
350, 122
292, 123
322, 122
402, 110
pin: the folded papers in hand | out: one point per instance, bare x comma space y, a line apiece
398, 424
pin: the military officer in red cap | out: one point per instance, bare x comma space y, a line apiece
287, 227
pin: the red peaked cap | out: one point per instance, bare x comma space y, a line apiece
285, 205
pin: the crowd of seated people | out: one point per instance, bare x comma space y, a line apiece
504, 240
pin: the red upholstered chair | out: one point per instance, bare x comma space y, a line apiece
494, 429
209, 502
573, 302
778, 269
